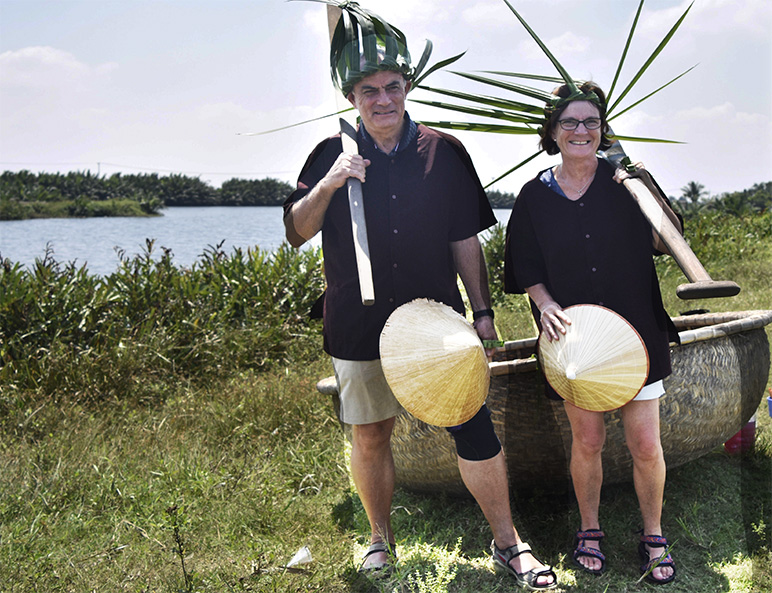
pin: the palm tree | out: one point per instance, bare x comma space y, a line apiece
693, 192
690, 203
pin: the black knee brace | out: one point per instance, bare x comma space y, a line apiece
475, 439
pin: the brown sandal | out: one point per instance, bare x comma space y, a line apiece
502, 558
391, 552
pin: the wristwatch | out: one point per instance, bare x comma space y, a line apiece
482, 313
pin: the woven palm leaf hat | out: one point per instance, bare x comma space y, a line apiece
434, 363
600, 364
364, 43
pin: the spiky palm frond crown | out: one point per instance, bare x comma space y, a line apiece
526, 118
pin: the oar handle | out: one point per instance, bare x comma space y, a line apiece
701, 285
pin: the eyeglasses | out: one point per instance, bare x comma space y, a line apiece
591, 123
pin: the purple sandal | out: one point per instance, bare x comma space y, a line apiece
581, 550
649, 563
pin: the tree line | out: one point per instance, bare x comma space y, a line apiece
21, 191
24, 194
695, 200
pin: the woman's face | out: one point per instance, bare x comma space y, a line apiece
580, 142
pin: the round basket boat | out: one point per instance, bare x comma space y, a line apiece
720, 370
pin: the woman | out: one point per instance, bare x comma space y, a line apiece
576, 236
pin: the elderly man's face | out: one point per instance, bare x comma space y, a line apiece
380, 100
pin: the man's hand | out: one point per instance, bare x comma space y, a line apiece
486, 331
306, 216
345, 166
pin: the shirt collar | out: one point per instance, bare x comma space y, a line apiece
411, 129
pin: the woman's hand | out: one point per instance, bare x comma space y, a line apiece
640, 171
620, 175
554, 321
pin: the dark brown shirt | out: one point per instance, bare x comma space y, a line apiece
417, 201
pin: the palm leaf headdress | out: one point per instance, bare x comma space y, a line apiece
520, 117
364, 43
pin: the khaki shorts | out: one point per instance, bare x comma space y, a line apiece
365, 397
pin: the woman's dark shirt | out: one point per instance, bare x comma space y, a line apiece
595, 250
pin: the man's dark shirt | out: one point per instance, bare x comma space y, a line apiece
417, 201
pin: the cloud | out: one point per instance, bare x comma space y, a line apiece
725, 148
486, 14
711, 16
44, 67
567, 44
53, 104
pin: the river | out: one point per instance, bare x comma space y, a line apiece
188, 232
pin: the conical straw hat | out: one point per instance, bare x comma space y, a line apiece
434, 363
601, 362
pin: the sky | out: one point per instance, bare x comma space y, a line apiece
177, 86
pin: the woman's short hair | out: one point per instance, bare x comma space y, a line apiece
547, 143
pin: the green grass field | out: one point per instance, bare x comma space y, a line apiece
211, 482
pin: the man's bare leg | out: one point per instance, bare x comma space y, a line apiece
487, 481
372, 468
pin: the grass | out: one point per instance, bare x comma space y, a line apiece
211, 482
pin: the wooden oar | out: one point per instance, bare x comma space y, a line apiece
356, 203
701, 286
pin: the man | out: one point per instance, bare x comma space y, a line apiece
424, 206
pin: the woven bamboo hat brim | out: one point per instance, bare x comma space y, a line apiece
601, 362
434, 363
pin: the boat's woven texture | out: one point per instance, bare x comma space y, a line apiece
719, 377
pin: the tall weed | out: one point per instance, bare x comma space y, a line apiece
63, 330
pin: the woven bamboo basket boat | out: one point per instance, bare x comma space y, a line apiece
720, 370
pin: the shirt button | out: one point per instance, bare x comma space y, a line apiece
600, 303
396, 231
587, 236
581, 204
395, 265
393, 197
391, 300
595, 269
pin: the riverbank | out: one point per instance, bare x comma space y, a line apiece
20, 210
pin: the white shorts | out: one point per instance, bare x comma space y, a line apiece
364, 395
653, 391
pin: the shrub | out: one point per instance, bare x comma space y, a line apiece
63, 330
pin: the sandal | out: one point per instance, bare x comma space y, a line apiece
581, 550
502, 558
391, 552
649, 563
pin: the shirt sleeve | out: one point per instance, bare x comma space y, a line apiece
473, 210
316, 166
523, 262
